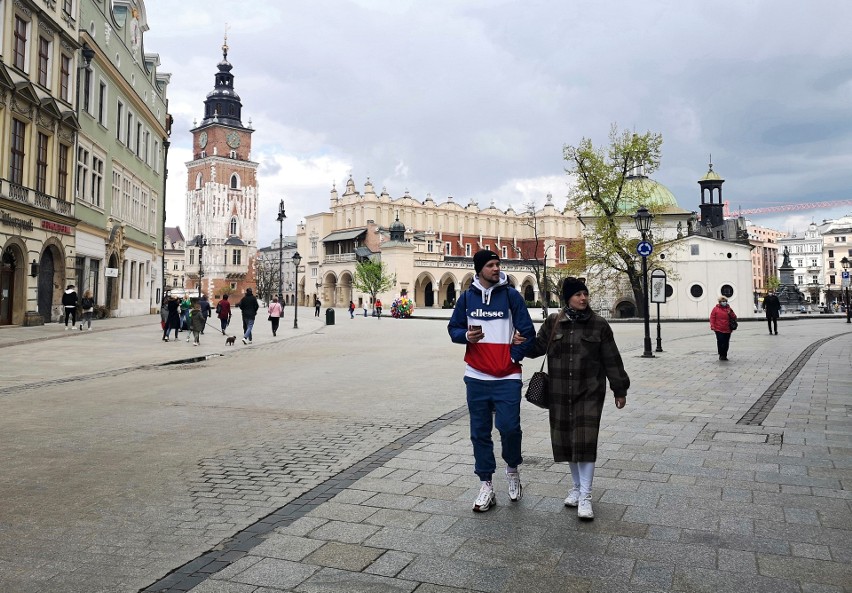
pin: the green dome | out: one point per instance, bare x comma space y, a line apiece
643, 191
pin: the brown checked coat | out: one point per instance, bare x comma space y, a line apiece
583, 355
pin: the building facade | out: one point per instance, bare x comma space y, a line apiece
174, 262
272, 263
806, 257
222, 194
837, 244
39, 56
432, 260
764, 258
120, 161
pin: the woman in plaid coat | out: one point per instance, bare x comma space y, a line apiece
582, 357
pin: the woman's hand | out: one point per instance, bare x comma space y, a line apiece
620, 402
518, 338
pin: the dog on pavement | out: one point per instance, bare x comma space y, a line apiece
230, 340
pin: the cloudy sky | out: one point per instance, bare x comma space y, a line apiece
476, 98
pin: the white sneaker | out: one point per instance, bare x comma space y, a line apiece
584, 509
573, 498
486, 499
66, 328
516, 489
195, 344
245, 341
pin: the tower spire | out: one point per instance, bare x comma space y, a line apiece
225, 45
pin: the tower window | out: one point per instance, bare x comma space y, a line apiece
233, 226
198, 179
235, 179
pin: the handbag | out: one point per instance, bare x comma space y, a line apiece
538, 389
732, 323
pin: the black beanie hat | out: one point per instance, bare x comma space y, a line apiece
572, 286
483, 257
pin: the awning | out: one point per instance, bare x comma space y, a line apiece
345, 235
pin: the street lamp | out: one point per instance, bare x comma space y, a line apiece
845, 280
297, 259
643, 225
200, 242
281, 217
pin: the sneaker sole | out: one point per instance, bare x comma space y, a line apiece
483, 509
572, 506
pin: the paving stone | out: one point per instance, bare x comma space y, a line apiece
286, 547
652, 575
330, 580
455, 573
271, 572
397, 518
805, 569
804, 550
417, 542
437, 523
302, 526
805, 516
702, 580
210, 586
737, 561
390, 563
393, 501
597, 566
342, 512
341, 531
344, 556
542, 581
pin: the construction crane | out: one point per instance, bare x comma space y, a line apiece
786, 208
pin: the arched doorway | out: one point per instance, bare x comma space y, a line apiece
428, 295
529, 293
11, 275
625, 310
46, 272
112, 285
345, 288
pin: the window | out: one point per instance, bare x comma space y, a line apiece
448, 248
17, 154
467, 250
430, 246
65, 78
198, 179
87, 90
727, 291
43, 61
97, 181
138, 139
504, 252
146, 142
191, 256
235, 181
814, 263
696, 290
68, 7
19, 45
175, 268
693, 250
102, 96
800, 280
669, 290
156, 157
831, 253
831, 264
82, 172
798, 263
831, 279
563, 256
129, 131
62, 178
41, 164
119, 115
236, 257
232, 228
814, 279
116, 193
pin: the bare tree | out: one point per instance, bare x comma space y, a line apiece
267, 271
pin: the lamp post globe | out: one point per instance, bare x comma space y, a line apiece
642, 218
297, 259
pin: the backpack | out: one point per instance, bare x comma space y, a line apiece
87, 303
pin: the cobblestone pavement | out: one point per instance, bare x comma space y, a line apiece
338, 459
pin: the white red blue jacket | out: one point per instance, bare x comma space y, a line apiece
500, 310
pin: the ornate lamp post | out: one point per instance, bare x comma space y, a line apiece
297, 259
845, 280
281, 217
643, 225
200, 243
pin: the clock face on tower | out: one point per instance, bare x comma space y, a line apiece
202, 139
233, 140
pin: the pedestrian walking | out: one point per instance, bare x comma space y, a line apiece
185, 306
772, 306
720, 322
173, 318
69, 302
205, 310
485, 319
276, 312
223, 312
351, 310
317, 305
249, 306
88, 305
197, 320
378, 308
582, 356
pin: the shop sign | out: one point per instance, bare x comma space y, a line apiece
56, 227
9, 220
111, 272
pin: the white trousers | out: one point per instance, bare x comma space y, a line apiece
582, 473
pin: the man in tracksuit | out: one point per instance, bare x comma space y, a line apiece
485, 319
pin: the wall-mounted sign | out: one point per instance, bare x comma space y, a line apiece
56, 227
9, 220
111, 272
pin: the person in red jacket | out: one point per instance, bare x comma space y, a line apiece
223, 312
720, 322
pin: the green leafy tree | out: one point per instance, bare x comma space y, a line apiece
771, 282
372, 277
610, 185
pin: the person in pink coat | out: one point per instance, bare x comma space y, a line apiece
720, 322
275, 314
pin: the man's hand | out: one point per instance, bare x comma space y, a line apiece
620, 402
474, 334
